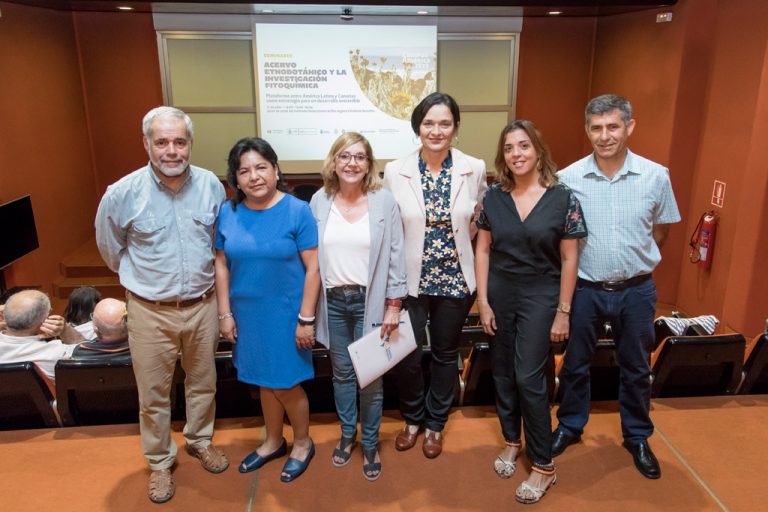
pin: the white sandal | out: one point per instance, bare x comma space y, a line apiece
536, 492
506, 468
503, 468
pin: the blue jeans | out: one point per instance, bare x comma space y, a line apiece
346, 311
631, 313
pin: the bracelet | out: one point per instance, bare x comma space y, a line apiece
226, 315
395, 303
306, 320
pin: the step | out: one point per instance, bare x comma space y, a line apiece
85, 261
108, 286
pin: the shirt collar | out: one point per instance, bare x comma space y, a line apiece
162, 185
447, 163
626, 168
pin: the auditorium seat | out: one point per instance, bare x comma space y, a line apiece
755, 371
476, 382
603, 372
26, 401
697, 365
96, 392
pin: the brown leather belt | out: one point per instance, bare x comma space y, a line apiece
175, 303
615, 286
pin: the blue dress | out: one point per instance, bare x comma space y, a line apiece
266, 284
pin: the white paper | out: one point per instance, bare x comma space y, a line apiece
372, 357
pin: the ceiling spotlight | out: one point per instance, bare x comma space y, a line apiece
554, 13
422, 12
346, 14
267, 11
124, 8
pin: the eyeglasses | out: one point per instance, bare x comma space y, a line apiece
346, 157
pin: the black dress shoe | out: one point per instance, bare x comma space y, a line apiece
561, 441
645, 460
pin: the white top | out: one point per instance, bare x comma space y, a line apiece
86, 330
19, 349
347, 247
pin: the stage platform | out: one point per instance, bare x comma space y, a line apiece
711, 451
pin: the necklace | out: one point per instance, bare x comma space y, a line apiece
347, 209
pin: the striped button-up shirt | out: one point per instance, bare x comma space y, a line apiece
159, 241
621, 213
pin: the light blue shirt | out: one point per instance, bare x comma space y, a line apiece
160, 242
621, 213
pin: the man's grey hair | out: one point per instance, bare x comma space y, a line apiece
164, 111
25, 319
608, 103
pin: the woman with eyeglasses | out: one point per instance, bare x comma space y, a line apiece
439, 190
363, 275
267, 281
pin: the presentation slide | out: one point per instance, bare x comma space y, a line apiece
316, 82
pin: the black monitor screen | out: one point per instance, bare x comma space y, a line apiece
17, 229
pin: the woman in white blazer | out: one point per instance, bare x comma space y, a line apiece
363, 274
439, 190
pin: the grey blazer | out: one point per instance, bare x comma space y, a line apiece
386, 266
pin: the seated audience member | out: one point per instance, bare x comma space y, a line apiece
82, 302
2, 318
27, 323
111, 328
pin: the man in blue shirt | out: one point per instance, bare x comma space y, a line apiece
155, 228
628, 206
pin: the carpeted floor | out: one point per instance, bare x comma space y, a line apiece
710, 451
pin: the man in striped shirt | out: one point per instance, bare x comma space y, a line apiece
628, 206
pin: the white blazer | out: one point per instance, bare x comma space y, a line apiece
468, 186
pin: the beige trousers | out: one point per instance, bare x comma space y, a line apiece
157, 335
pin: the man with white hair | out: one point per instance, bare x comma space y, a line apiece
111, 329
155, 228
25, 316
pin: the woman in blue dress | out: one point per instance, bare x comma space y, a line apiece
267, 284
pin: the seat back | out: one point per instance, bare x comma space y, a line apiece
756, 367
25, 399
603, 372
698, 365
96, 391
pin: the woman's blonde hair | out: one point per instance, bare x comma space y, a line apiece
546, 167
370, 183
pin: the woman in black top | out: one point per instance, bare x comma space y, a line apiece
526, 264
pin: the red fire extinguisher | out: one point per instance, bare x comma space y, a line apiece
703, 240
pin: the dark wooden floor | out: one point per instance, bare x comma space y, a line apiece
712, 451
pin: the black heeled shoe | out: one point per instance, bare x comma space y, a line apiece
295, 467
254, 461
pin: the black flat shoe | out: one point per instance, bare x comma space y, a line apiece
645, 461
561, 441
254, 461
295, 467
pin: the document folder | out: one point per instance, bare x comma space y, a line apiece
372, 356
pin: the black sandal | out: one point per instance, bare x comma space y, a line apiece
342, 453
371, 467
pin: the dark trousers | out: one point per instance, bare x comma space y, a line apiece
631, 313
446, 319
524, 308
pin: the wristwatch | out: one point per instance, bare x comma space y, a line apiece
564, 307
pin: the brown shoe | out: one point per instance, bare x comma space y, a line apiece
406, 439
433, 444
211, 457
161, 486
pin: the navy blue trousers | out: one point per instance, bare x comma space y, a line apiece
631, 312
